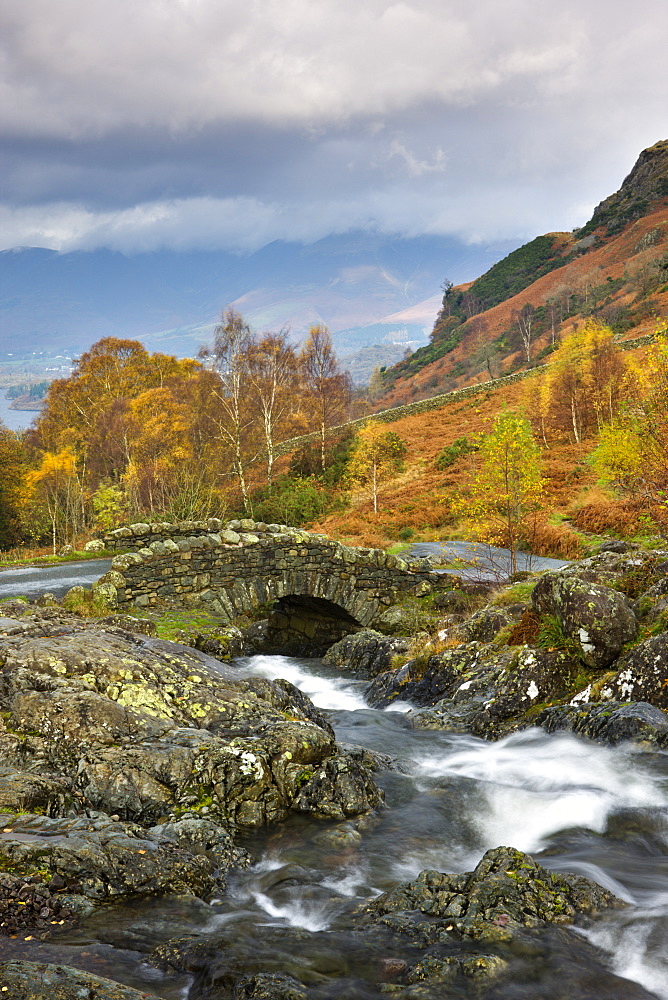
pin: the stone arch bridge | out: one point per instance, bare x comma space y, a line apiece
316, 589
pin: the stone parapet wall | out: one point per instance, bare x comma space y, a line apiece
140, 535
245, 563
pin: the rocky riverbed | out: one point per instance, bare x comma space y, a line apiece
253, 829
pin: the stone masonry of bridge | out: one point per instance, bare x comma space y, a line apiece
236, 566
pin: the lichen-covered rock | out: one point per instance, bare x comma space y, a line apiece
94, 545
597, 619
22, 790
46, 981
507, 891
340, 787
164, 681
394, 685
452, 600
634, 570
106, 860
463, 717
269, 986
650, 597
533, 677
394, 621
459, 674
476, 688
642, 674
608, 722
243, 782
483, 625
366, 653
98, 719
224, 644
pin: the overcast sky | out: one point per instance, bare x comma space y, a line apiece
141, 124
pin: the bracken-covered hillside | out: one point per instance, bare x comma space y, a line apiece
615, 268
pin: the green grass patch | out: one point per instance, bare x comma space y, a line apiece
178, 624
86, 605
551, 635
519, 593
397, 547
458, 449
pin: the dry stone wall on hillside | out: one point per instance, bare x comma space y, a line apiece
235, 567
439, 401
407, 409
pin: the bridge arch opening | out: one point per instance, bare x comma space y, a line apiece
302, 625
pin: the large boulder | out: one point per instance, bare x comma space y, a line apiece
47, 981
365, 653
608, 722
102, 859
631, 572
394, 621
507, 891
483, 625
94, 545
642, 674
599, 621
463, 670
502, 694
63, 658
96, 717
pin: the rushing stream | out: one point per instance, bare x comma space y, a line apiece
575, 806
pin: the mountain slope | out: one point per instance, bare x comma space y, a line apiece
614, 268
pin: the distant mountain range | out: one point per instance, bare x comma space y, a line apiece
368, 289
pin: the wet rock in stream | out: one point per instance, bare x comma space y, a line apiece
507, 891
46, 981
609, 722
365, 653
129, 764
439, 936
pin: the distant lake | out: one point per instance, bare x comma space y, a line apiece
16, 420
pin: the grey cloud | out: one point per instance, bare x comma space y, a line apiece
74, 67
197, 123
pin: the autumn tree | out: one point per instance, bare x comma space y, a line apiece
230, 359
632, 453
554, 308
376, 457
485, 353
508, 488
327, 387
86, 412
12, 471
376, 386
273, 373
582, 388
523, 319
159, 445
55, 484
